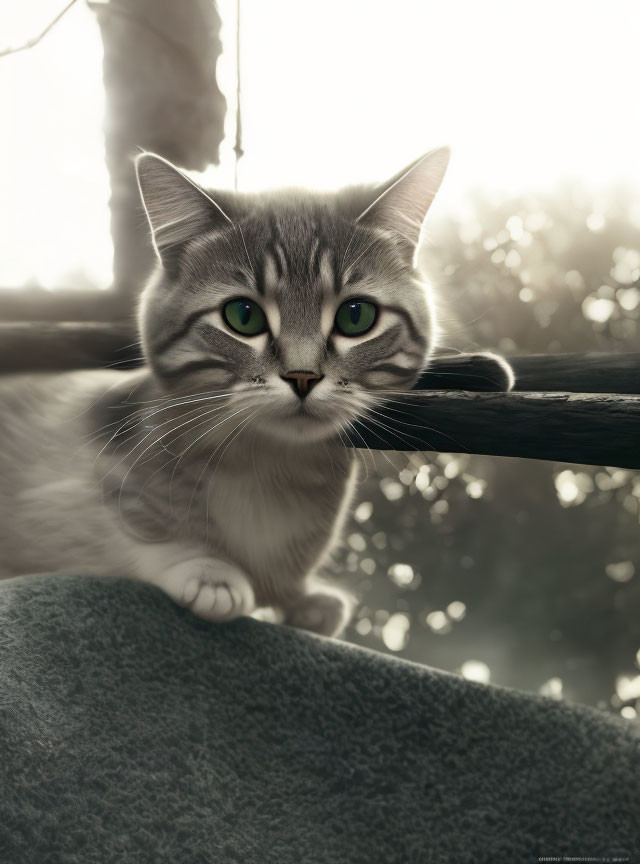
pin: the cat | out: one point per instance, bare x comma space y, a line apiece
217, 472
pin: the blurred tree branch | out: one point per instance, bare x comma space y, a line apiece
31, 43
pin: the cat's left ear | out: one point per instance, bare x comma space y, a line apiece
403, 204
178, 210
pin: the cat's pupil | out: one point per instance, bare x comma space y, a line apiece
355, 310
244, 312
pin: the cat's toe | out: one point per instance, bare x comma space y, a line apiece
218, 601
190, 590
211, 589
224, 604
204, 603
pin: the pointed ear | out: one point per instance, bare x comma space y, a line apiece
177, 208
404, 201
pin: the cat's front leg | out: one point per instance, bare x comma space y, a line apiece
323, 609
211, 588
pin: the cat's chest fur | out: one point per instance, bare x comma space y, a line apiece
273, 509
281, 511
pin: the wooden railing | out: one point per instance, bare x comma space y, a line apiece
582, 408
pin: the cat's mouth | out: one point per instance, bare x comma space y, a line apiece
312, 418
298, 423
308, 415
303, 410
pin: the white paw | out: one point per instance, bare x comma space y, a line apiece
210, 588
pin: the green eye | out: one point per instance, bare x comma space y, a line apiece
245, 317
356, 317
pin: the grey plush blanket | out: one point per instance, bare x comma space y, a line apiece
130, 731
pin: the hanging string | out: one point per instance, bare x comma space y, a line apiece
239, 152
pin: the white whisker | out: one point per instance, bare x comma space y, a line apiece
242, 425
149, 446
154, 413
208, 462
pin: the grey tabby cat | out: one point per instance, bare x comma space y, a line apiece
217, 473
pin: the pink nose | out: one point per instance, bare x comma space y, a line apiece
302, 382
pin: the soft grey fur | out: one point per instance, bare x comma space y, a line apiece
205, 473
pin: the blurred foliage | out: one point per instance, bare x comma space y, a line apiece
536, 275
520, 572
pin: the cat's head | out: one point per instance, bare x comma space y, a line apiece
305, 307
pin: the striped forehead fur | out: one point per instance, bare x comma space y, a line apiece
298, 255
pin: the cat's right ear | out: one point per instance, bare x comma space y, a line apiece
177, 208
402, 205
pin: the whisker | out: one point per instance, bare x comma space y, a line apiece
193, 443
148, 435
129, 360
154, 413
147, 448
403, 438
465, 325
167, 399
179, 456
208, 462
344, 257
363, 253
96, 432
244, 243
368, 414
130, 345
242, 425
190, 426
389, 402
382, 438
328, 452
351, 425
95, 402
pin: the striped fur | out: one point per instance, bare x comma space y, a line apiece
299, 255
205, 473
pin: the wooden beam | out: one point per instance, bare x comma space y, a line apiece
590, 429
35, 305
56, 346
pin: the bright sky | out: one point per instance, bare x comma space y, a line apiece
334, 92
54, 187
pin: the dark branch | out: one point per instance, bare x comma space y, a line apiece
31, 43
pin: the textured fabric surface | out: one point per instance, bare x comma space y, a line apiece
133, 732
